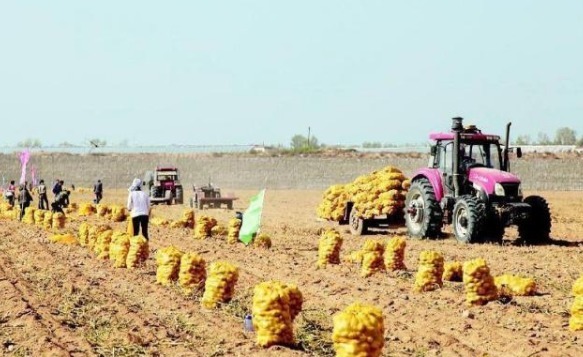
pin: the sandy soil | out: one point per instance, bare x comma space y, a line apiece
61, 300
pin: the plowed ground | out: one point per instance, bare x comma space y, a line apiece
62, 301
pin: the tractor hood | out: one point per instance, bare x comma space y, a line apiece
487, 178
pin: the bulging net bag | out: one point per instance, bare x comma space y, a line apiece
329, 248
192, 273
118, 249
275, 306
168, 262
395, 254
204, 226
233, 230
220, 284
478, 283
138, 252
358, 331
430, 272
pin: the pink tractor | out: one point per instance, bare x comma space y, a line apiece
468, 184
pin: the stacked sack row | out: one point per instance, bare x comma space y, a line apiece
378, 193
189, 271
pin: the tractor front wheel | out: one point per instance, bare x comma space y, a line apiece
469, 217
357, 224
537, 228
422, 212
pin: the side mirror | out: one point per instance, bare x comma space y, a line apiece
433, 150
518, 152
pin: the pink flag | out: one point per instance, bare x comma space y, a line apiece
24, 157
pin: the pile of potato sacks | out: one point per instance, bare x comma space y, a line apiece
204, 226
378, 193
275, 306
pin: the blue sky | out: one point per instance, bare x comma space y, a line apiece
239, 72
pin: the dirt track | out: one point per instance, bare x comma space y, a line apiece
59, 300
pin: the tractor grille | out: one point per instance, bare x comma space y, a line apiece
511, 190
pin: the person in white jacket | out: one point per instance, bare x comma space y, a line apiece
139, 207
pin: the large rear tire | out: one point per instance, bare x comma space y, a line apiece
537, 228
468, 219
179, 199
357, 224
423, 216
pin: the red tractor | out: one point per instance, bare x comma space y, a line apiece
468, 184
164, 185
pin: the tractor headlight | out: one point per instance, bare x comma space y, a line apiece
499, 190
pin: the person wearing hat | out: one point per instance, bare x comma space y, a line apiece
139, 207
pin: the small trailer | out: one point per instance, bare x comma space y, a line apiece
210, 197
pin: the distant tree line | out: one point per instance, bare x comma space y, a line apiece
563, 136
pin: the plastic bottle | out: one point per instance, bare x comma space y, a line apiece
248, 323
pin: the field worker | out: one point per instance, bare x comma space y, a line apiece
61, 201
10, 193
139, 207
24, 199
43, 201
57, 187
98, 191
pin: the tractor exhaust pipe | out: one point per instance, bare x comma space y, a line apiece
456, 127
507, 147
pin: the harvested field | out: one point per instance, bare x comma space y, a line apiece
61, 300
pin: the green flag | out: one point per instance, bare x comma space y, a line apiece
252, 218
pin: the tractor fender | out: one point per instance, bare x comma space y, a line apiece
434, 177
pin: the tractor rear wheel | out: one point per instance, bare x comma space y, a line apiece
179, 198
468, 220
357, 224
422, 212
537, 228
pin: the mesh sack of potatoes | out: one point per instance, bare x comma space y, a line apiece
66, 238
102, 243
430, 271
358, 331
83, 234
39, 217
59, 220
168, 265
118, 213
86, 209
48, 220
512, 285
378, 193
219, 231
262, 240
354, 257
186, 221
220, 284
103, 210
93, 234
130, 226
159, 222
478, 283
28, 217
453, 271
372, 258
577, 288
192, 273
576, 318
275, 306
333, 203
138, 252
233, 230
329, 248
118, 249
395, 254
203, 227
